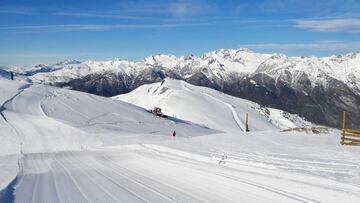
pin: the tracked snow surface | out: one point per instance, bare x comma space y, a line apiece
59, 145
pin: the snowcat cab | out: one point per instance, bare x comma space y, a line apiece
157, 112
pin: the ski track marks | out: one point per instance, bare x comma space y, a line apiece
152, 173
233, 112
2, 106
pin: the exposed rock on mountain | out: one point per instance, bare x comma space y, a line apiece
318, 89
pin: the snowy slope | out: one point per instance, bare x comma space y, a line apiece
9, 141
68, 146
54, 119
163, 173
37, 119
209, 107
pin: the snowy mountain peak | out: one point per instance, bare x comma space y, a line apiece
221, 64
344, 57
67, 62
159, 58
233, 51
228, 53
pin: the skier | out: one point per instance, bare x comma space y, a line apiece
174, 134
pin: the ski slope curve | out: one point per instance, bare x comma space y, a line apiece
233, 112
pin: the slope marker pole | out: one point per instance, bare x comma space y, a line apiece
343, 128
246, 123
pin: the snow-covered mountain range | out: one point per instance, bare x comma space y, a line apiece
318, 89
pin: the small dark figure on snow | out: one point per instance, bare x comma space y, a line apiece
12, 75
174, 134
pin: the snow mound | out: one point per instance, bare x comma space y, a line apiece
209, 107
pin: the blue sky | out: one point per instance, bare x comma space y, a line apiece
47, 31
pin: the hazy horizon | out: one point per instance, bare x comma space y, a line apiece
107, 58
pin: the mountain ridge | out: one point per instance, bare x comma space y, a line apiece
317, 88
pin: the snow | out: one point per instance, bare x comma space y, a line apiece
8, 140
237, 60
48, 119
68, 146
188, 102
53, 119
162, 173
221, 64
343, 67
8, 167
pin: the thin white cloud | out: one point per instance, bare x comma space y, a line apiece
15, 11
162, 24
327, 45
140, 18
305, 8
325, 24
183, 7
103, 15
173, 18
169, 24
179, 8
96, 27
333, 25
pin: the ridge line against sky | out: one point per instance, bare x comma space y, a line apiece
134, 29
75, 56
